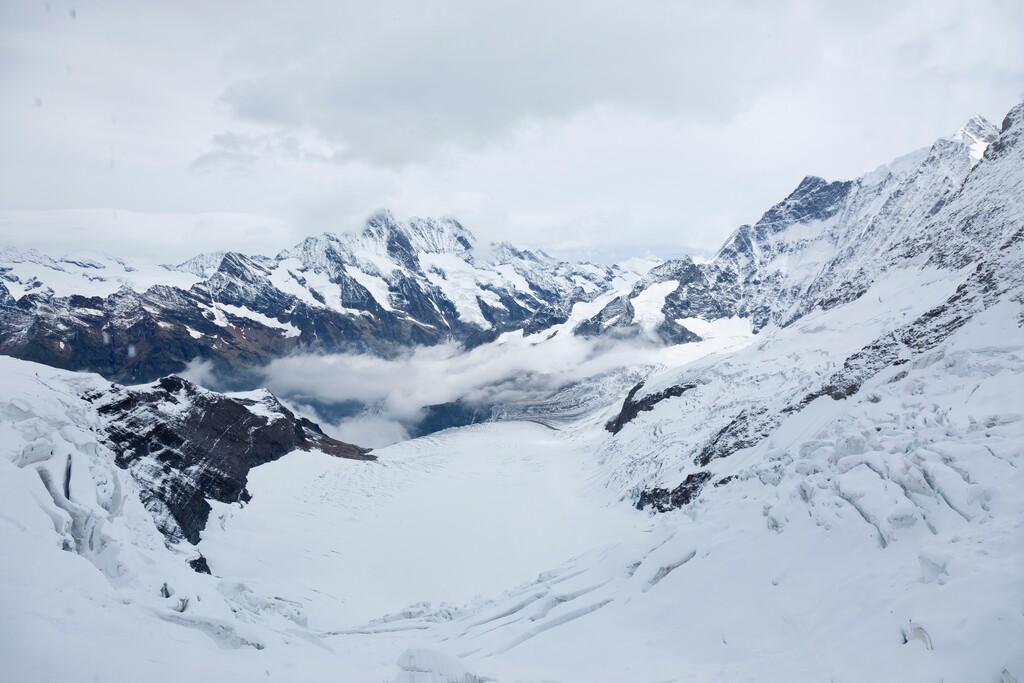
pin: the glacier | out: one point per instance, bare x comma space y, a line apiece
799, 460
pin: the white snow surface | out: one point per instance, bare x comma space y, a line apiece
472, 483
460, 281
86, 274
877, 538
88, 588
648, 304
288, 329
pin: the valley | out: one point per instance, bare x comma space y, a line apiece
798, 460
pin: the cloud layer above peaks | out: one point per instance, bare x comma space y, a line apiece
607, 127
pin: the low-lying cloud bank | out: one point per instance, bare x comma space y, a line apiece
511, 370
439, 374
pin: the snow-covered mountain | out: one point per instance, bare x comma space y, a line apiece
819, 478
399, 284
901, 285
822, 246
392, 285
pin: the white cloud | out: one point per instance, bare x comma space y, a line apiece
153, 237
512, 370
368, 431
402, 387
199, 371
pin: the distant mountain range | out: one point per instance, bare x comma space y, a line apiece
398, 284
389, 286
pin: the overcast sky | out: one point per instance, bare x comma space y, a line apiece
609, 128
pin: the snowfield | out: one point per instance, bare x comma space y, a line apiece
889, 523
509, 497
879, 537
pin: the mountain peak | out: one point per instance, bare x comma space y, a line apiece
204, 265
977, 128
428, 235
440, 235
979, 133
813, 199
381, 219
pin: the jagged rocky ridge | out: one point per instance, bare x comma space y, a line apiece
631, 407
822, 246
185, 445
392, 285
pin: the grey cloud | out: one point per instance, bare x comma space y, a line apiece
241, 152
465, 73
582, 127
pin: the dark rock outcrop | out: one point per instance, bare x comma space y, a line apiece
632, 406
664, 500
616, 318
184, 445
447, 415
544, 318
743, 431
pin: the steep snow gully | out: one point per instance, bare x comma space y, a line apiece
807, 466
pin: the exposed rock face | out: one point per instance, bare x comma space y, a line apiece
672, 333
151, 456
545, 318
743, 431
447, 415
616, 319
184, 444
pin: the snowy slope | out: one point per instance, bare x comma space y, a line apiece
415, 490
90, 589
892, 515
180, 443
28, 271
875, 538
